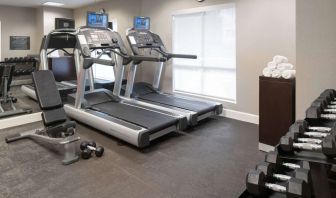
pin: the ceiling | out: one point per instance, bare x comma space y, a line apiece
38, 3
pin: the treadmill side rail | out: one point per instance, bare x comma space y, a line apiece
132, 134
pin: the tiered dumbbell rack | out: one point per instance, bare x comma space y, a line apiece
323, 182
22, 77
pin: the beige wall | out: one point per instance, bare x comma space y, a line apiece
264, 28
49, 15
121, 10
17, 21
316, 49
33, 22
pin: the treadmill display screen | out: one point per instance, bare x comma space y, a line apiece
97, 20
141, 23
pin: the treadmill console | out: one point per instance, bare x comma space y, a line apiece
102, 38
143, 39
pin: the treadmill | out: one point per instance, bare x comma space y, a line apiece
60, 39
144, 42
105, 110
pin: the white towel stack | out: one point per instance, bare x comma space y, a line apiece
279, 68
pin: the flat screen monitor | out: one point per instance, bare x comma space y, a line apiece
97, 20
61, 23
141, 23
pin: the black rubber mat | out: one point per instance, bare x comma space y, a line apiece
151, 120
196, 106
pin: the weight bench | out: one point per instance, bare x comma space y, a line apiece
6, 98
58, 132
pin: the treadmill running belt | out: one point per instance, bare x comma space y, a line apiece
196, 106
151, 120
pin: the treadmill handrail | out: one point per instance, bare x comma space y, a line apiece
63, 30
171, 55
137, 58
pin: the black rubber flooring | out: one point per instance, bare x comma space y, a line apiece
210, 160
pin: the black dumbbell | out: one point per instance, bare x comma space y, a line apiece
296, 137
318, 113
297, 129
304, 126
328, 146
274, 158
329, 95
270, 170
88, 147
324, 105
258, 185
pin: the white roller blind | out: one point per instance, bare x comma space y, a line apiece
210, 34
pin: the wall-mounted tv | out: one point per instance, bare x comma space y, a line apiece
141, 23
97, 20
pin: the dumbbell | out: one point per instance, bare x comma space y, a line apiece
270, 170
315, 134
258, 185
305, 127
317, 113
296, 137
274, 158
324, 105
328, 146
88, 147
330, 95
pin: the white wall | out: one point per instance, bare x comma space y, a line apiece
264, 28
316, 50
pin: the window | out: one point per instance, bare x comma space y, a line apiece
210, 34
103, 72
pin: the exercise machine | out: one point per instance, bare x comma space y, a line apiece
144, 42
7, 100
58, 133
61, 39
104, 109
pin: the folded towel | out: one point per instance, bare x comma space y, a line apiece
267, 72
272, 65
288, 74
285, 66
280, 59
276, 73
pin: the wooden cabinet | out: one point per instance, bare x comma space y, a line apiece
276, 110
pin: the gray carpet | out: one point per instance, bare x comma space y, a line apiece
210, 160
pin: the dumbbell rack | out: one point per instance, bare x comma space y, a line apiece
322, 168
23, 69
320, 181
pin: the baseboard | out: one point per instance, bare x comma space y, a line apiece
237, 115
266, 148
20, 120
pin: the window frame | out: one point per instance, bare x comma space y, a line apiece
202, 10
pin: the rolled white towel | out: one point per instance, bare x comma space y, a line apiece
280, 59
267, 72
285, 66
272, 65
276, 73
288, 74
